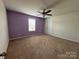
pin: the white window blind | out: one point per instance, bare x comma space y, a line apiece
31, 24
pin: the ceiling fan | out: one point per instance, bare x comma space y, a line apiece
45, 12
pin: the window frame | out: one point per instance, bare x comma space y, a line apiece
31, 25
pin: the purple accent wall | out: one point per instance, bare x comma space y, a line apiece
18, 24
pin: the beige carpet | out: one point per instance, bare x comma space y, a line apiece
42, 47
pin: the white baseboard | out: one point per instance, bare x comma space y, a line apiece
23, 37
60, 36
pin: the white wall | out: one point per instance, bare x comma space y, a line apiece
3, 29
65, 22
65, 26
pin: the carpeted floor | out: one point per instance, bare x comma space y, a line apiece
42, 47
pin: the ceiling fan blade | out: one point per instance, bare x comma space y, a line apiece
44, 10
39, 12
49, 14
48, 11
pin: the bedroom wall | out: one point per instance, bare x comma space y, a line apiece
18, 24
3, 29
65, 26
65, 21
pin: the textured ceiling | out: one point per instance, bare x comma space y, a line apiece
66, 7
28, 6
32, 6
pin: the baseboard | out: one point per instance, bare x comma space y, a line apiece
24, 37
62, 37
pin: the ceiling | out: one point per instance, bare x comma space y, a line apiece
32, 6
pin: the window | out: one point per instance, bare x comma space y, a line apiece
31, 24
